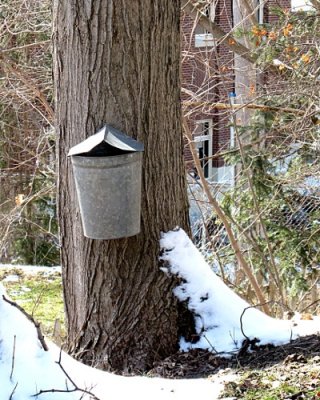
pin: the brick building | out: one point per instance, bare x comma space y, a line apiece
212, 73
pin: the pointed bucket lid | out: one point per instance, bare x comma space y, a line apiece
109, 135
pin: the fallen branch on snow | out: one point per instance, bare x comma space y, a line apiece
75, 389
30, 318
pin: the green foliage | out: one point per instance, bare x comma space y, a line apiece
291, 220
274, 210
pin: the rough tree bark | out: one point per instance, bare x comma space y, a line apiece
117, 62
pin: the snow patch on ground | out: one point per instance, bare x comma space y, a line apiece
30, 269
25, 368
219, 311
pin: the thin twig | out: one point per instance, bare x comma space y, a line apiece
12, 393
310, 305
29, 83
30, 318
13, 356
25, 46
210, 344
255, 306
75, 389
252, 106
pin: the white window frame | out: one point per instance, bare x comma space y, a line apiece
198, 139
206, 39
300, 5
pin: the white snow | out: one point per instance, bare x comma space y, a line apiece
219, 310
35, 369
23, 362
30, 269
11, 278
26, 368
277, 63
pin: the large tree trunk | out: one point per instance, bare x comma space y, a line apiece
117, 62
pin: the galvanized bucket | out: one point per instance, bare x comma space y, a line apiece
109, 191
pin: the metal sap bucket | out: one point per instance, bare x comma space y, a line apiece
107, 171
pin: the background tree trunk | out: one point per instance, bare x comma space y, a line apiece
117, 62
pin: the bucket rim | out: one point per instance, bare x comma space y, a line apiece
106, 161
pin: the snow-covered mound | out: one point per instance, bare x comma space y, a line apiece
219, 311
26, 369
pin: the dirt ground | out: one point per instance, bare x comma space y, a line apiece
291, 371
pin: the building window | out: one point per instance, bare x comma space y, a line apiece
301, 5
204, 38
203, 140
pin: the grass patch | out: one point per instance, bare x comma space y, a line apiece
266, 385
40, 294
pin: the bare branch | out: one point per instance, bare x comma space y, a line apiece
13, 391
30, 318
225, 38
75, 389
250, 11
316, 4
29, 84
238, 253
225, 106
13, 356
25, 46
